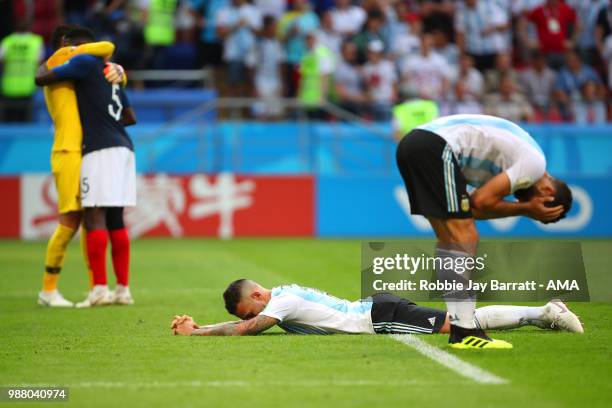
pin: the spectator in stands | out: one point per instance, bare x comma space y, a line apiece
556, 25
590, 108
327, 36
265, 61
348, 81
380, 80
525, 35
236, 25
470, 77
316, 69
503, 67
570, 80
588, 12
127, 34
481, 29
603, 27
537, 81
437, 14
403, 35
508, 103
293, 29
20, 55
210, 46
371, 31
443, 46
42, 15
460, 101
347, 18
159, 29
424, 75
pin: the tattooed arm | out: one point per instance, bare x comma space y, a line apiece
252, 326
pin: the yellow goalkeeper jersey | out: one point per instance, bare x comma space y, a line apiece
61, 98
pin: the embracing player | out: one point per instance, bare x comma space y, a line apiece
301, 310
61, 103
108, 169
438, 160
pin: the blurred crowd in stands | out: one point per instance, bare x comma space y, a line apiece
525, 60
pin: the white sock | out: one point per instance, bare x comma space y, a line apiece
459, 306
508, 317
463, 312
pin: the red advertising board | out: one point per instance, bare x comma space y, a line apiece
223, 205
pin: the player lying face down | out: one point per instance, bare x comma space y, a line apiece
302, 310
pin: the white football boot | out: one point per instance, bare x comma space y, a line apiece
98, 296
122, 296
559, 317
53, 299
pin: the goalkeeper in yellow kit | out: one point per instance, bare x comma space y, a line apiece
66, 158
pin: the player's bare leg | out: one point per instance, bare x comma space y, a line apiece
97, 241
458, 238
56, 251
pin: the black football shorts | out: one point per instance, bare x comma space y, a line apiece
436, 186
395, 315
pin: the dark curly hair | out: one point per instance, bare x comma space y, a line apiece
563, 196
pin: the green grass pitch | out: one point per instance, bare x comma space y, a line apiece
125, 356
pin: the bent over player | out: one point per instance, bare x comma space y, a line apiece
438, 160
301, 310
108, 169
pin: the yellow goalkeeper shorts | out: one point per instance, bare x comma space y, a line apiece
66, 168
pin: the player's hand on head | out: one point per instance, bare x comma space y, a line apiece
114, 73
540, 211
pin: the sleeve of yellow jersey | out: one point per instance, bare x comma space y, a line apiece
102, 49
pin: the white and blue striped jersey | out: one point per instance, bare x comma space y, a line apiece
310, 311
485, 146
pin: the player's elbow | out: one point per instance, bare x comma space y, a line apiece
481, 203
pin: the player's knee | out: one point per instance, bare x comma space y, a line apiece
71, 219
114, 218
94, 219
463, 232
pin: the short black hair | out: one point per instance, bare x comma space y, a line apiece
563, 196
80, 33
59, 33
233, 295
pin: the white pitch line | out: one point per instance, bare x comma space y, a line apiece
450, 361
235, 383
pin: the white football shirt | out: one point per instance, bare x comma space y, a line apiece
485, 146
310, 311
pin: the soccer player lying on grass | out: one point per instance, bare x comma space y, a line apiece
301, 310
